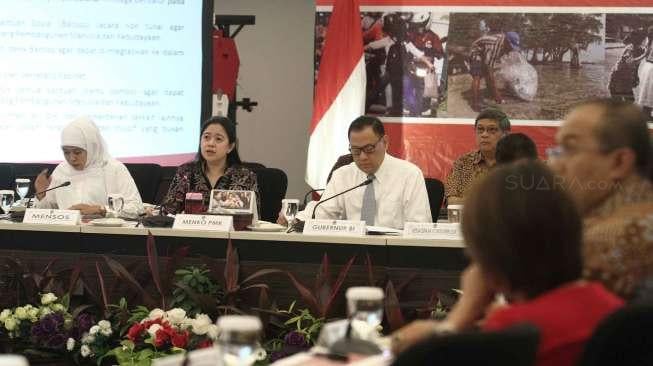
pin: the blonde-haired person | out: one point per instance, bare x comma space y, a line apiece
93, 175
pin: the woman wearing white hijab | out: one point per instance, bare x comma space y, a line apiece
92, 174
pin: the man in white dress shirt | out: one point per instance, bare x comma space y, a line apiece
398, 188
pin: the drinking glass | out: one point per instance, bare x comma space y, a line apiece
454, 213
194, 203
22, 187
116, 202
6, 200
239, 339
365, 304
289, 208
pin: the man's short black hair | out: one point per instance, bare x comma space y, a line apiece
364, 121
496, 115
623, 124
515, 146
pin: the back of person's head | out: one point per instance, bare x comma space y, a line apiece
520, 226
363, 122
515, 146
623, 124
497, 115
233, 158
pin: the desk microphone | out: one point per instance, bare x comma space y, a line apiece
366, 182
64, 184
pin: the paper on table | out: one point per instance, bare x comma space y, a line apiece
381, 230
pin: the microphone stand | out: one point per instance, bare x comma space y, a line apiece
366, 182
29, 200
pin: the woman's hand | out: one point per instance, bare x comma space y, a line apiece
41, 183
477, 296
86, 209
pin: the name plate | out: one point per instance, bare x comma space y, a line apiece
427, 230
203, 222
51, 216
334, 227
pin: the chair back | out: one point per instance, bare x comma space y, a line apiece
435, 191
515, 346
146, 177
7, 176
624, 338
272, 185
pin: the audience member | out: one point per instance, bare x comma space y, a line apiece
531, 256
93, 175
490, 126
217, 166
515, 146
603, 158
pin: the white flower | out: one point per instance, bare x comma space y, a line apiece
21, 313
153, 328
94, 329
85, 350
11, 324
88, 338
59, 308
201, 324
44, 311
176, 316
104, 324
70, 344
48, 298
213, 331
156, 314
6, 313
106, 332
33, 314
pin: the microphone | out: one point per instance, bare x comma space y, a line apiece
64, 184
366, 182
311, 192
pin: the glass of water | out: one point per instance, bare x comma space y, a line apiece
365, 304
116, 202
239, 339
6, 200
22, 187
289, 208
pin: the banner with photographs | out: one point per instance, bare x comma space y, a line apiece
432, 68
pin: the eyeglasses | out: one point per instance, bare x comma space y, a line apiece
368, 149
490, 130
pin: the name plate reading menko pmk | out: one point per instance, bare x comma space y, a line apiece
51, 216
203, 222
424, 230
334, 227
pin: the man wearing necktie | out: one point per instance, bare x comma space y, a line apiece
397, 193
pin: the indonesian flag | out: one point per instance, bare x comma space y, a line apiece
339, 94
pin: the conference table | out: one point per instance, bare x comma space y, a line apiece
426, 263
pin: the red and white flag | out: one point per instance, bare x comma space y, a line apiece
340, 91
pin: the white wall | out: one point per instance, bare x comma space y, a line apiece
276, 68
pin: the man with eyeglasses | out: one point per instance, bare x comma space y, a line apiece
397, 193
603, 161
490, 126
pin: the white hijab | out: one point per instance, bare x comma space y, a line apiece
87, 185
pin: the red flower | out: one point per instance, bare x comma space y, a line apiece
205, 343
180, 340
161, 337
135, 332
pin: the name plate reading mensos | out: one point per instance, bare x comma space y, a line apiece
203, 222
334, 227
51, 216
427, 230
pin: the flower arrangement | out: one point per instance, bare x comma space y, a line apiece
164, 333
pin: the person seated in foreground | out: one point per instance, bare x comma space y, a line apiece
216, 166
490, 126
602, 159
93, 175
515, 146
396, 195
532, 257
